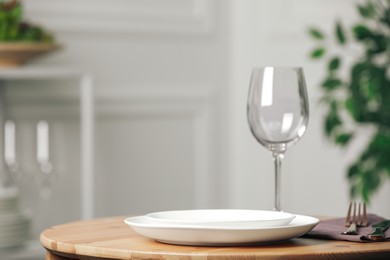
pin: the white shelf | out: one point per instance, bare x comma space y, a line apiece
39, 73
87, 120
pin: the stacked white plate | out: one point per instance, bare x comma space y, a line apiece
221, 227
14, 225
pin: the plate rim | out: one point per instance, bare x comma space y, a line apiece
154, 225
285, 216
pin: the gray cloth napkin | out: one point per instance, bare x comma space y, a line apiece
332, 228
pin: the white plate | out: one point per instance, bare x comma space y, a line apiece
220, 235
223, 217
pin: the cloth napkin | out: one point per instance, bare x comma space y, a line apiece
332, 228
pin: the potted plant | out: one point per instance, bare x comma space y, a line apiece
20, 40
356, 91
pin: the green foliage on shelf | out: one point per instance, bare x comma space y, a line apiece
14, 29
356, 91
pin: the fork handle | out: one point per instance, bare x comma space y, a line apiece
376, 235
377, 232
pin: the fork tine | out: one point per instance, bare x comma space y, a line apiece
365, 220
352, 225
348, 218
354, 213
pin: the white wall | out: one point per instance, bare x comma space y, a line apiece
171, 80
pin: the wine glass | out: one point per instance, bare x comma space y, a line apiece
278, 112
46, 174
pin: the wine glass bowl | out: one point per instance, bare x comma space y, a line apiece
277, 111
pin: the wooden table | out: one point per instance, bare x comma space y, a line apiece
111, 238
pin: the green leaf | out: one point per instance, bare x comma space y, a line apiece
331, 123
316, 34
388, 169
365, 194
353, 171
340, 35
317, 53
370, 181
332, 120
353, 191
334, 63
385, 19
351, 107
380, 141
367, 11
361, 32
370, 89
16, 13
378, 44
343, 139
331, 84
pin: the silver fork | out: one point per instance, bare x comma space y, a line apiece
362, 218
353, 222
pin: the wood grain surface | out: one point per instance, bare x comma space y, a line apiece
111, 238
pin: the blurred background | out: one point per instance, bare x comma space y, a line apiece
170, 84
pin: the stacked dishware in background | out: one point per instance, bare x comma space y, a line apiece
14, 224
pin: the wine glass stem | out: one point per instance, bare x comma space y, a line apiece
278, 157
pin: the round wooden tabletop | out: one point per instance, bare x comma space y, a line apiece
111, 238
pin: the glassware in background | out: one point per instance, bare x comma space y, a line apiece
37, 164
46, 174
278, 112
11, 163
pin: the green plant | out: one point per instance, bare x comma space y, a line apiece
356, 91
14, 29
